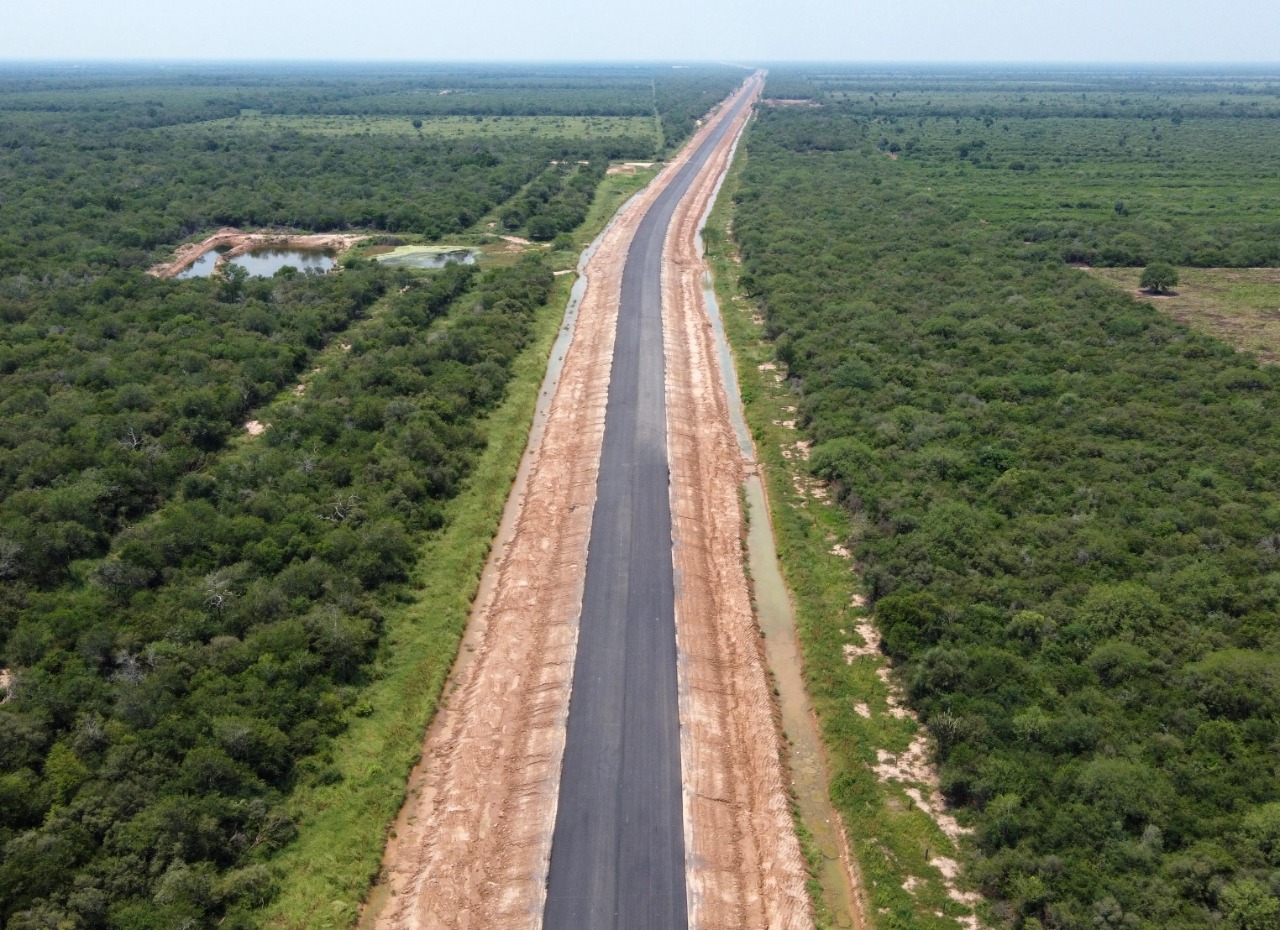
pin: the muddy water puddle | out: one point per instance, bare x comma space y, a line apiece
804, 747
418, 256
805, 759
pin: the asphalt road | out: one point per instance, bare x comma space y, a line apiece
617, 854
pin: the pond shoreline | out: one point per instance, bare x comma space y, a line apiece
237, 243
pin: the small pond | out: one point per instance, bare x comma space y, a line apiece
202, 267
426, 256
263, 263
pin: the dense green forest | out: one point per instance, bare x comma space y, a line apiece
122, 165
169, 698
1064, 506
555, 202
189, 614
115, 388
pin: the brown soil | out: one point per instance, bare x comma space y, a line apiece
472, 845
745, 867
238, 243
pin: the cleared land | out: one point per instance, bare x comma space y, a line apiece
482, 813
746, 869
1240, 306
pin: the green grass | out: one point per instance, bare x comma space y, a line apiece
612, 193
443, 127
343, 827
890, 838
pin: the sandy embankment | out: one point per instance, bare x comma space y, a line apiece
746, 868
238, 242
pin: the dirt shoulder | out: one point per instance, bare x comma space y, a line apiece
746, 868
237, 242
472, 846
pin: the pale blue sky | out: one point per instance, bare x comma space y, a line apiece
740, 30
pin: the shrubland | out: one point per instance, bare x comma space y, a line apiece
170, 696
1063, 505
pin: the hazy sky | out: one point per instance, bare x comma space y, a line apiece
741, 30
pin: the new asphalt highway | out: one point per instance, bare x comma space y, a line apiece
617, 854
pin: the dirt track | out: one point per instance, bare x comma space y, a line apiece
472, 847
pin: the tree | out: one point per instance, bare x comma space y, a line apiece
1159, 277
1249, 905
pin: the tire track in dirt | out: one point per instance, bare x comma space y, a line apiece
746, 870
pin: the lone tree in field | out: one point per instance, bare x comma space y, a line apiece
1158, 277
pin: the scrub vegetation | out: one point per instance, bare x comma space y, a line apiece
1062, 504
618, 130
222, 644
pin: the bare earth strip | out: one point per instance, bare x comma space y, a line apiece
472, 847
745, 866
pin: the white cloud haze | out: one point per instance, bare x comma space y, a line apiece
744, 30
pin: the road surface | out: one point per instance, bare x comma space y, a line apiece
617, 852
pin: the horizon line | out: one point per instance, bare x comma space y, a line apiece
640, 62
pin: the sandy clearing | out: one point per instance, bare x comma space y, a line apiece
5, 679
471, 847
913, 768
1236, 305
255, 428
237, 243
745, 870
631, 167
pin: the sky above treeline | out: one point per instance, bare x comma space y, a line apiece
1226, 31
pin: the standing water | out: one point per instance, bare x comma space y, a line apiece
203, 266
263, 263
805, 758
